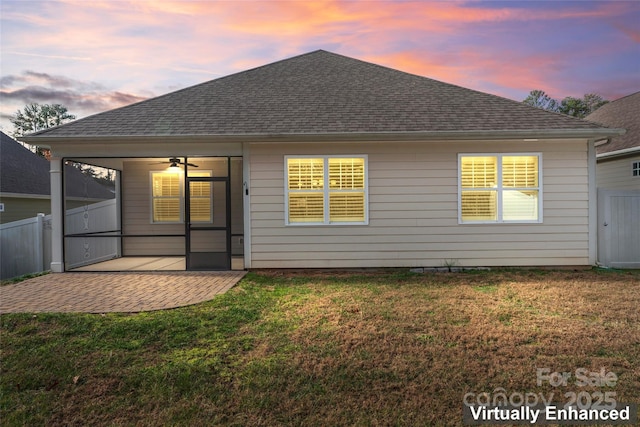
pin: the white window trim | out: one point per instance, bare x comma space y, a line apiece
182, 199
499, 189
635, 165
326, 189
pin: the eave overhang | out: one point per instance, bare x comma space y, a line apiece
592, 134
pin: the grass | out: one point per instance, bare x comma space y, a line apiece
21, 278
389, 348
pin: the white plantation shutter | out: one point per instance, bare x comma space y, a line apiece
499, 188
306, 207
326, 190
306, 195
166, 184
346, 195
166, 210
200, 199
166, 196
200, 210
520, 171
346, 207
346, 174
479, 206
305, 174
479, 172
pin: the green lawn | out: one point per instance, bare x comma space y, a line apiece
324, 349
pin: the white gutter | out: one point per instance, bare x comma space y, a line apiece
617, 153
46, 141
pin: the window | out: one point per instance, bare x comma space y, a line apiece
166, 196
168, 200
635, 169
326, 190
499, 188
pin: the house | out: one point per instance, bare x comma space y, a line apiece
618, 181
25, 184
618, 159
325, 161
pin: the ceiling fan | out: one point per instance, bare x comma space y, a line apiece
174, 162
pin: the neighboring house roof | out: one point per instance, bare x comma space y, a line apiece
321, 93
24, 172
622, 113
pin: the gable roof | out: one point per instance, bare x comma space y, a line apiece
320, 93
24, 172
624, 113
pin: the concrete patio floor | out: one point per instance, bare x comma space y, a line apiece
149, 263
125, 292
137, 264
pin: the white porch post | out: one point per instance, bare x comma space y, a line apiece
117, 181
593, 203
57, 217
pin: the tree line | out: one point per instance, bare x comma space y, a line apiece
577, 107
36, 117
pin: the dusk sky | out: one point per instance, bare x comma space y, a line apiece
94, 56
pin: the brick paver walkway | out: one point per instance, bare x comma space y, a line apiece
114, 292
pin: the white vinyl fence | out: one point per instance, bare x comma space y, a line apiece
25, 246
99, 217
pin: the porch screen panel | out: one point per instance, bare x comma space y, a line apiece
200, 198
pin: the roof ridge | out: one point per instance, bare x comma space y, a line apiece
615, 104
623, 97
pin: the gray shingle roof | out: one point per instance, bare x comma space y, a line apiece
318, 93
621, 113
23, 172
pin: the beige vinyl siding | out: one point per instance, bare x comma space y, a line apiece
18, 208
615, 174
413, 210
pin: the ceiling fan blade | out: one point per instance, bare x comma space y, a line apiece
177, 161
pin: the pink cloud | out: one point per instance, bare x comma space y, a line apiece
473, 70
145, 47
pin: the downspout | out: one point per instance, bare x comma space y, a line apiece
119, 208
